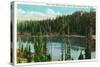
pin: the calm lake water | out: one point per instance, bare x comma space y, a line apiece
54, 45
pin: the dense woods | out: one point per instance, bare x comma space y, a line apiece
79, 23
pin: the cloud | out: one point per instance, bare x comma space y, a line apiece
23, 15
35, 13
52, 12
21, 11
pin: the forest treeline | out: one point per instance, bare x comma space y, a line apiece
78, 23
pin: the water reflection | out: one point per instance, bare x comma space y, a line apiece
54, 47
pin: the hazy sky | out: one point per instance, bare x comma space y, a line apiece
34, 12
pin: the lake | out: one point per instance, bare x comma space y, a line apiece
54, 46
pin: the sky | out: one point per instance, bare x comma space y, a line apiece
40, 12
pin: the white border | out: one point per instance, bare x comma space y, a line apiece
47, 4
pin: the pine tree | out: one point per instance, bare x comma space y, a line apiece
81, 56
87, 53
68, 56
29, 57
